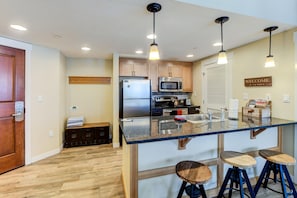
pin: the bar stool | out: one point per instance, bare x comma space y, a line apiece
194, 173
277, 163
237, 174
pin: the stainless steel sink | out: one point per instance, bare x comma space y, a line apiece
200, 118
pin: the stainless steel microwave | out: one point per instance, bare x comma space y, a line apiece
170, 84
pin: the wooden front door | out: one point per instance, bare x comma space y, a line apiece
12, 97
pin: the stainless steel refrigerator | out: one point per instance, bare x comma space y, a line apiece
135, 98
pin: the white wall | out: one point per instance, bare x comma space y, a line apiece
248, 62
93, 101
47, 73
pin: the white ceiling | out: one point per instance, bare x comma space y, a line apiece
121, 26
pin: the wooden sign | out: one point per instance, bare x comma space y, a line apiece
258, 82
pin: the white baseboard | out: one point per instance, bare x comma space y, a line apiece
46, 155
116, 145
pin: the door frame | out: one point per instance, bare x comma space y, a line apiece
295, 127
28, 48
211, 61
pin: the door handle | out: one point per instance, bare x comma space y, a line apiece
16, 114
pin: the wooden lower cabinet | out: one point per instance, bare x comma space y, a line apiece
88, 134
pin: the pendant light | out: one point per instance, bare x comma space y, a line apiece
222, 58
154, 52
269, 59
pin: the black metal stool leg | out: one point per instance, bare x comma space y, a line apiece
283, 183
240, 184
260, 179
223, 187
248, 183
271, 167
231, 188
292, 187
181, 190
202, 191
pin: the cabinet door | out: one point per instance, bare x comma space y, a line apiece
187, 79
175, 71
163, 70
167, 69
126, 68
133, 67
140, 69
153, 76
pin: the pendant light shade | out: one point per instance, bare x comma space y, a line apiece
154, 51
222, 58
270, 59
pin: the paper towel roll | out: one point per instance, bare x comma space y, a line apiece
233, 109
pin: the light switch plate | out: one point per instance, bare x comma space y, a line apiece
245, 96
286, 98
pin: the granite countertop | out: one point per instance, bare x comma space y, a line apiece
157, 128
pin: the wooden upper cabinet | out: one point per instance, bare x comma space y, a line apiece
155, 69
188, 77
133, 67
168, 69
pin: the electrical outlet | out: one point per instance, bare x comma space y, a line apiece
51, 133
268, 97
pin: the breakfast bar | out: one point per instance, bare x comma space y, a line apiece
152, 146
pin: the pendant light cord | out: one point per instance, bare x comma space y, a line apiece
222, 49
154, 35
270, 43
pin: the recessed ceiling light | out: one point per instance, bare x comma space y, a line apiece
217, 44
85, 48
139, 52
18, 27
151, 36
190, 55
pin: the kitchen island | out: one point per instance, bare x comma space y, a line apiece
152, 146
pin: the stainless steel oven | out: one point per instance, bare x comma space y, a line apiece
170, 84
175, 111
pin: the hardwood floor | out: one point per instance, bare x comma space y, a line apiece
91, 171
83, 172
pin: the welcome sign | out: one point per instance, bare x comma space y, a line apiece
258, 82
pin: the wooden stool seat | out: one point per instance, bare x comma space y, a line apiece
194, 173
277, 157
237, 174
237, 159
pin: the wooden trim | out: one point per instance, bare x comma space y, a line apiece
168, 170
134, 171
89, 80
88, 125
280, 138
220, 168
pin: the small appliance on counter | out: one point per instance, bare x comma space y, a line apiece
188, 102
233, 109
